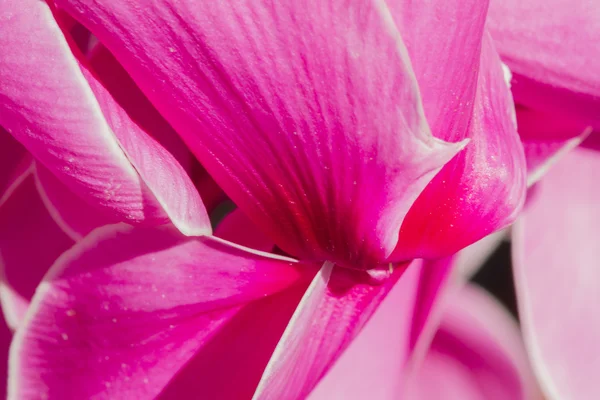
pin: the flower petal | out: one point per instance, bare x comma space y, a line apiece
551, 46
546, 138
555, 256
448, 33
237, 227
231, 365
476, 355
324, 147
86, 138
15, 161
121, 312
482, 189
376, 362
74, 216
30, 241
5, 338
333, 310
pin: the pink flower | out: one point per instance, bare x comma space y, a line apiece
332, 128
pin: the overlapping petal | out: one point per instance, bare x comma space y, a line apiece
237, 228
14, 162
476, 354
376, 362
30, 242
332, 312
72, 214
483, 187
323, 146
122, 311
551, 46
231, 365
69, 121
557, 278
546, 138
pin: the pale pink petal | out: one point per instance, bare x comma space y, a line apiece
324, 147
375, 363
5, 338
231, 365
476, 354
64, 116
72, 214
332, 312
124, 310
557, 277
444, 33
30, 241
546, 138
551, 46
237, 227
15, 162
482, 188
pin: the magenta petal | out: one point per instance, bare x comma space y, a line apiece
334, 309
231, 365
551, 46
482, 188
546, 138
64, 116
237, 228
74, 216
125, 92
325, 147
15, 161
122, 311
476, 354
557, 277
375, 364
30, 241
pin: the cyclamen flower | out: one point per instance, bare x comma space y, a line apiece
329, 124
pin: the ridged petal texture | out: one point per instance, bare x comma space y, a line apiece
120, 313
55, 105
307, 114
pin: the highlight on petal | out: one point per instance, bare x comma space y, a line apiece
30, 242
551, 46
555, 256
125, 309
5, 338
377, 361
482, 189
87, 139
74, 216
476, 354
332, 312
346, 114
